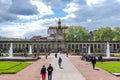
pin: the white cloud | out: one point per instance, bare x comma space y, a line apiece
68, 16
118, 0
13, 31
71, 7
29, 29
89, 20
6, 3
42, 8
22, 17
93, 2
84, 14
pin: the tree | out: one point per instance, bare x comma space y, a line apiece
69, 34
77, 33
116, 33
103, 34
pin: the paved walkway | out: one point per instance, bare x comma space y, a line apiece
68, 71
32, 72
87, 71
84, 70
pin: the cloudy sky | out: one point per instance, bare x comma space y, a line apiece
26, 18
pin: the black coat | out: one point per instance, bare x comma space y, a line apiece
93, 60
50, 69
60, 60
43, 70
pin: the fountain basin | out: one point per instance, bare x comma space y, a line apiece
111, 59
19, 58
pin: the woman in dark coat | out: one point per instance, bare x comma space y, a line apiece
43, 72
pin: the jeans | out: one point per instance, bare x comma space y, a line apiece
59, 64
50, 77
93, 66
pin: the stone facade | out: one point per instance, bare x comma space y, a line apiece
70, 46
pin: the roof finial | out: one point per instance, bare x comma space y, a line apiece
59, 20
59, 23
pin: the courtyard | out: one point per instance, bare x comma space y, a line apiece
84, 33
73, 69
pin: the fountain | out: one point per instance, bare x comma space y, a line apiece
18, 58
30, 49
108, 57
108, 50
10, 52
89, 50
89, 54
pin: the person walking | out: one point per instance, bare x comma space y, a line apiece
93, 61
59, 62
55, 55
100, 58
50, 69
67, 54
46, 56
43, 72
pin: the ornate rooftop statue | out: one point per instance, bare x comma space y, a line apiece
59, 23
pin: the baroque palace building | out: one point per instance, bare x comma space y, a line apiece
55, 41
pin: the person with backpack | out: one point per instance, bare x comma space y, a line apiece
43, 72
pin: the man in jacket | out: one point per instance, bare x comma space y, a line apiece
59, 62
50, 69
93, 61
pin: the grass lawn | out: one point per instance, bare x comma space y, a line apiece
12, 67
112, 67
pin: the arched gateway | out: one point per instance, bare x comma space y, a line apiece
57, 34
